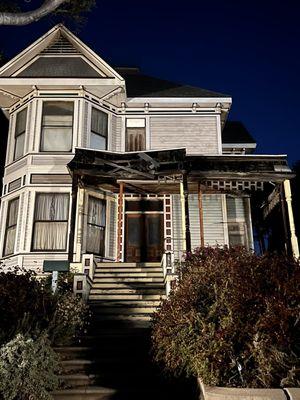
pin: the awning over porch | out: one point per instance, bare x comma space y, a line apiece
160, 171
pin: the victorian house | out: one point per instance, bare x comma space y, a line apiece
107, 165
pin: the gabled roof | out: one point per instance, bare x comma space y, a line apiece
236, 132
140, 85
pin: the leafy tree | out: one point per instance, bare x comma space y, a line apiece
12, 12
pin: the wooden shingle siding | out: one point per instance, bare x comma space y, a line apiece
112, 229
213, 220
177, 224
116, 124
197, 134
194, 220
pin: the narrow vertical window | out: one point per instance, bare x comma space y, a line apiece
237, 222
11, 226
99, 125
57, 126
20, 134
96, 226
50, 222
135, 134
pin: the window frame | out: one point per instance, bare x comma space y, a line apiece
23, 132
137, 124
67, 194
103, 255
8, 227
57, 101
98, 133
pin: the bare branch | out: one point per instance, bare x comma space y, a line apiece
7, 18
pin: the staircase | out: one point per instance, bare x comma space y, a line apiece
113, 361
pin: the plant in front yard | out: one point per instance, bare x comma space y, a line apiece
28, 369
234, 320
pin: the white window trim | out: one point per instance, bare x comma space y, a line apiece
108, 138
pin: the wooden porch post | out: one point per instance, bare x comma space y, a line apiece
120, 221
200, 205
186, 213
288, 199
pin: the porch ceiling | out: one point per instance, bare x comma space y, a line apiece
160, 171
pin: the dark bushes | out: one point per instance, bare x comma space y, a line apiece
234, 320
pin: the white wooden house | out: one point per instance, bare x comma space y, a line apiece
111, 163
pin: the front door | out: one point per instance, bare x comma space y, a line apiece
144, 236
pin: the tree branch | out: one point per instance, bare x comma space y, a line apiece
7, 18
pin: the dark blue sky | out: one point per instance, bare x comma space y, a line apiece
248, 49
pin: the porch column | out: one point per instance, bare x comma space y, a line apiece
184, 196
120, 222
288, 199
73, 217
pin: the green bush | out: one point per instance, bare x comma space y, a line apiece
233, 320
26, 305
28, 369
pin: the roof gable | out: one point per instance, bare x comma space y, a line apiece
58, 42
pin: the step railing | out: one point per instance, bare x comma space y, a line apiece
83, 278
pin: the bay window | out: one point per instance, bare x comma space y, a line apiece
99, 127
11, 227
96, 222
20, 130
57, 126
50, 222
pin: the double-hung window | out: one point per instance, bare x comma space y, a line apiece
57, 126
135, 134
11, 226
20, 134
99, 124
96, 226
50, 222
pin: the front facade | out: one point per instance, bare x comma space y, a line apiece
119, 166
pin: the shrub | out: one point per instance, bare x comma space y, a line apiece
234, 320
26, 305
69, 320
28, 369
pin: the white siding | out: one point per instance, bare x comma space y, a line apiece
177, 224
213, 220
116, 124
199, 134
194, 220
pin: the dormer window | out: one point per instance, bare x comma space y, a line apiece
57, 126
99, 127
20, 134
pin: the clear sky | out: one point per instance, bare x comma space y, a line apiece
247, 49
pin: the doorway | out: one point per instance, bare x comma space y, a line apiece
144, 227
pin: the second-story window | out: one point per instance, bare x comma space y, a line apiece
99, 125
20, 134
57, 126
135, 134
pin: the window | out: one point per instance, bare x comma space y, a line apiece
50, 222
98, 130
96, 226
20, 134
135, 134
57, 126
11, 226
237, 221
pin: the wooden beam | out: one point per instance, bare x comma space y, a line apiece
201, 222
120, 222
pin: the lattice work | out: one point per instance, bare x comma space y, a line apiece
168, 228
233, 185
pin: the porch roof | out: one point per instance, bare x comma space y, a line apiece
160, 171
